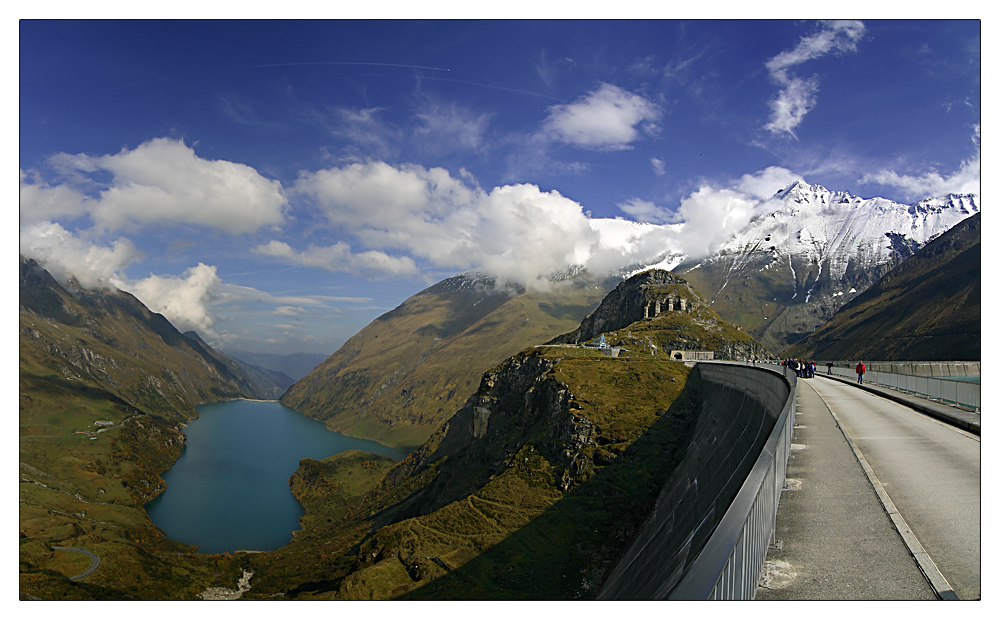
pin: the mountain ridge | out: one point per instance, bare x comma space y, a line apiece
808, 250
927, 308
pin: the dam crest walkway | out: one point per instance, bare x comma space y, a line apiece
881, 501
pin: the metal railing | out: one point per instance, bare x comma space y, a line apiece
730, 564
961, 393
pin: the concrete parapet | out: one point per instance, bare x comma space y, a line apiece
915, 369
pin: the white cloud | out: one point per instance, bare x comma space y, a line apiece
338, 257
711, 216
446, 127
160, 181
518, 233
766, 183
40, 201
798, 96
66, 256
608, 118
659, 168
185, 301
289, 311
645, 211
965, 180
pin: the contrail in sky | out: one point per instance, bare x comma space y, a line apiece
367, 64
286, 64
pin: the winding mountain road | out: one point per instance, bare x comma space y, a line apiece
94, 560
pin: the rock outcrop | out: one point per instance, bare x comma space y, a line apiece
657, 311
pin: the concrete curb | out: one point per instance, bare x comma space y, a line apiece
972, 427
937, 581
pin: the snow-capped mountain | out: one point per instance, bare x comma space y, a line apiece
809, 250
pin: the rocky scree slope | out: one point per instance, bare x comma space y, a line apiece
924, 309
809, 250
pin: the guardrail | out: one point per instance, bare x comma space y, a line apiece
959, 393
730, 564
709, 531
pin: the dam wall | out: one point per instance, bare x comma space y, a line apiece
735, 436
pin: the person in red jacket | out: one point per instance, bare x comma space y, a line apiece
860, 369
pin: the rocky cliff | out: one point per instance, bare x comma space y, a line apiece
657, 312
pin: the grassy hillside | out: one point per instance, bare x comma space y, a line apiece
404, 374
925, 309
530, 490
100, 356
534, 501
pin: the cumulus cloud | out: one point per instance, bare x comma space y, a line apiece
965, 180
187, 301
409, 218
67, 256
40, 201
711, 216
798, 95
160, 181
766, 183
608, 118
516, 232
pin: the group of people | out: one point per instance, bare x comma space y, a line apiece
806, 370
802, 368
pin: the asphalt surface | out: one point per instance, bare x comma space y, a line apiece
94, 560
834, 540
930, 471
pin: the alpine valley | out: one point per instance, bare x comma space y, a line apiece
806, 253
532, 460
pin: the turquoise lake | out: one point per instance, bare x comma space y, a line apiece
229, 489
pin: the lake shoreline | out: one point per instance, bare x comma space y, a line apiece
228, 492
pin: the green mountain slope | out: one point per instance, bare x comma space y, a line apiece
529, 491
925, 309
105, 386
110, 341
404, 374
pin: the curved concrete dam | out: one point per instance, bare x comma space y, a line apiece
740, 408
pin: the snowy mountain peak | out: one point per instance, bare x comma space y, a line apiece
959, 203
811, 196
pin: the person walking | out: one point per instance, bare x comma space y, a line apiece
829, 368
860, 369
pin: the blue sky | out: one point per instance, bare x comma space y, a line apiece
278, 185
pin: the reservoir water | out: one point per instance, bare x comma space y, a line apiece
229, 488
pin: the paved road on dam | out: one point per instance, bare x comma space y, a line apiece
928, 471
